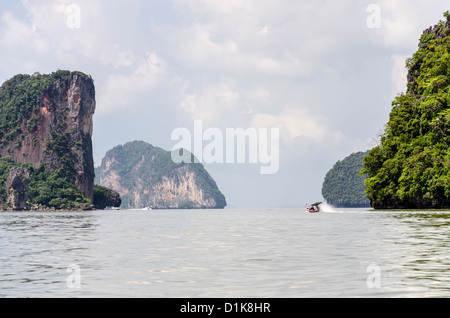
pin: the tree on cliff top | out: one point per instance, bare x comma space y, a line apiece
19, 99
411, 166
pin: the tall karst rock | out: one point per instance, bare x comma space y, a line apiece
47, 120
146, 176
410, 168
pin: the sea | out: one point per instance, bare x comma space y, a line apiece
231, 253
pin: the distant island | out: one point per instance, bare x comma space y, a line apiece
343, 186
410, 169
146, 176
46, 126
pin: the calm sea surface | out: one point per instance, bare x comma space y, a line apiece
229, 253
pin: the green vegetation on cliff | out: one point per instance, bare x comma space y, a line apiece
343, 185
104, 198
411, 166
19, 102
47, 189
139, 154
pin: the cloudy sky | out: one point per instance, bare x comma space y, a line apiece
322, 72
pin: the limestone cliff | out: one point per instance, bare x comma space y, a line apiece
106, 198
47, 120
409, 169
145, 176
17, 188
46, 124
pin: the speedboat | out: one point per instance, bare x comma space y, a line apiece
315, 208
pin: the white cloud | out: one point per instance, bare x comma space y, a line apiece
102, 39
288, 66
215, 6
297, 122
125, 59
402, 25
20, 35
119, 89
254, 37
260, 95
264, 31
399, 73
47, 30
213, 102
404, 21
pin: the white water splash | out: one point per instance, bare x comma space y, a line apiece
325, 207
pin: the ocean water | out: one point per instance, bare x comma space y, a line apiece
225, 254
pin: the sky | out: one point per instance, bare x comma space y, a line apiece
322, 73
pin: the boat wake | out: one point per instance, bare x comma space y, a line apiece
144, 209
327, 208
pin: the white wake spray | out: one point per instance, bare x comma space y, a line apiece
325, 207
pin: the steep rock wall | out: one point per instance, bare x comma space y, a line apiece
62, 135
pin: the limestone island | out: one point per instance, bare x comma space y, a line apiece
46, 160
343, 186
146, 177
410, 169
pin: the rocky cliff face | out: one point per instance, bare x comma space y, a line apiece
17, 188
106, 198
145, 176
57, 131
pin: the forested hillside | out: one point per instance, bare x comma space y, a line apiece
343, 185
411, 166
